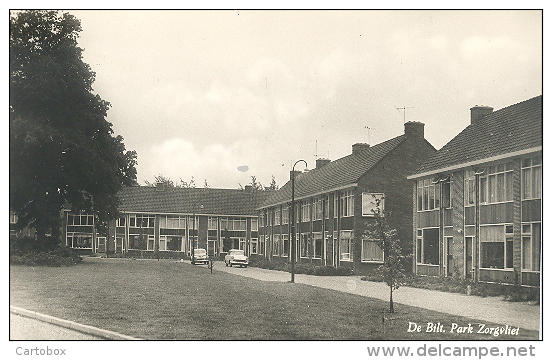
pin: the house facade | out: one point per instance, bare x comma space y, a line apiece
334, 203
477, 201
168, 222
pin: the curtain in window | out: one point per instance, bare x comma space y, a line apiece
371, 251
492, 233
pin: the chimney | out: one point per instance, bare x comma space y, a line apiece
292, 173
322, 162
360, 147
248, 189
479, 111
414, 129
160, 186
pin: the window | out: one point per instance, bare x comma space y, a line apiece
285, 215
211, 246
318, 209
277, 217
346, 246
497, 246
496, 184
530, 247
347, 203
269, 215
531, 175
276, 245
262, 245
371, 250
172, 222
151, 242
318, 245
254, 224
336, 204
120, 222
447, 197
428, 194
373, 204
327, 206
428, 247
193, 222
285, 244
469, 188
254, 245
79, 240
162, 243
306, 211
212, 223
304, 245
174, 243
80, 220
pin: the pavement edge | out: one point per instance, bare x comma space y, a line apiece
87, 329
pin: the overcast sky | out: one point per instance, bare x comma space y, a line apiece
210, 94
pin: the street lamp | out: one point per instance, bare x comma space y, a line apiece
293, 219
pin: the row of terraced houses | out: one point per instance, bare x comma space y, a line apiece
471, 209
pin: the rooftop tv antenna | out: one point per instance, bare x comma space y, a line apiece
369, 135
404, 111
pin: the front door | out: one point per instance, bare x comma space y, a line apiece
101, 244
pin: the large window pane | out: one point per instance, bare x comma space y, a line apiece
371, 251
492, 255
536, 182
536, 237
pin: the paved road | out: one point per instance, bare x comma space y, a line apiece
489, 309
24, 328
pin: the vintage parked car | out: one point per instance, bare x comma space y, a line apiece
200, 257
236, 257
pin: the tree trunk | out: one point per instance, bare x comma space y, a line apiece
391, 308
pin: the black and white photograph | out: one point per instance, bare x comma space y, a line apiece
348, 183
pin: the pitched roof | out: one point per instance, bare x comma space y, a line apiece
514, 128
190, 200
336, 174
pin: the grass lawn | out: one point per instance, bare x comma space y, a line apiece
162, 300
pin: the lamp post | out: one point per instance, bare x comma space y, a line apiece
293, 219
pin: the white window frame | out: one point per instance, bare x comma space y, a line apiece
376, 243
212, 223
508, 237
285, 215
277, 216
350, 240
347, 203
254, 244
490, 192
254, 224
276, 245
535, 163
306, 211
529, 234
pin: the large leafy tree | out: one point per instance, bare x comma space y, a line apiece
62, 149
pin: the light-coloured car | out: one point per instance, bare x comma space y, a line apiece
236, 257
200, 257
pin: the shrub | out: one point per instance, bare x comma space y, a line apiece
301, 268
29, 251
456, 285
